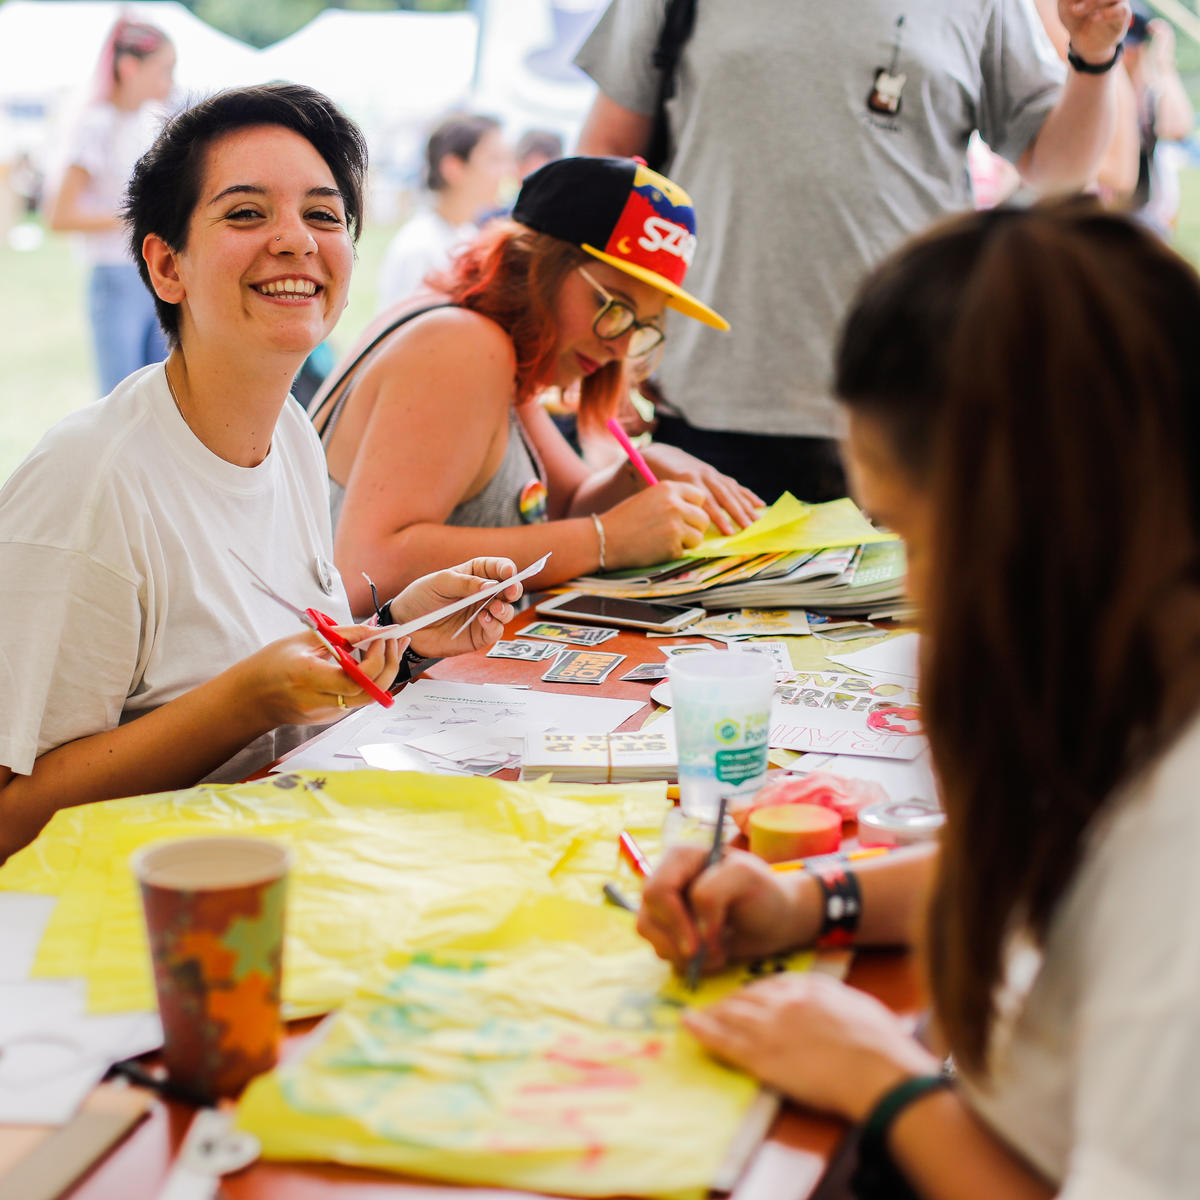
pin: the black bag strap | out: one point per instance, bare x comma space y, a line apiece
677, 27
386, 332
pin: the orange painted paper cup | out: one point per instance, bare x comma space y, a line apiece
214, 916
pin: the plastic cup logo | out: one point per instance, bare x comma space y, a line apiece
728, 731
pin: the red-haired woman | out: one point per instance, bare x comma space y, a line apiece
133, 79
1022, 392
436, 445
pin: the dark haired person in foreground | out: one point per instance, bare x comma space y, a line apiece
1022, 393
136, 654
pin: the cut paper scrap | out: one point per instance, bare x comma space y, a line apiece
897, 657
790, 525
372, 853
481, 597
754, 622
544, 1054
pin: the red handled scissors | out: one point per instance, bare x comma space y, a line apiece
326, 629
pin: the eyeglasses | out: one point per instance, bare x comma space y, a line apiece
616, 318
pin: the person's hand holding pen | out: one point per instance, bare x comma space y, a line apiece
435, 590
738, 908
726, 503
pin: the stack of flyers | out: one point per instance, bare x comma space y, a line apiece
576, 635
602, 757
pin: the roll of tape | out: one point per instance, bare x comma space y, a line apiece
899, 822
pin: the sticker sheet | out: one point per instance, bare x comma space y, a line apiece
582, 666
576, 635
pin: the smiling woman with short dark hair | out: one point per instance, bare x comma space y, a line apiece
137, 654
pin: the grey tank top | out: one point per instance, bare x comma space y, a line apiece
516, 492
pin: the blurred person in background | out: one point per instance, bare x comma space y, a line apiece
132, 82
535, 148
816, 137
1116, 176
466, 161
1164, 113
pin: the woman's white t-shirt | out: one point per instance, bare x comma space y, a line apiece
1096, 1058
118, 588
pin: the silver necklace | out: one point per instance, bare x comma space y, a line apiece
171, 389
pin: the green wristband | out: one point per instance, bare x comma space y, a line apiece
893, 1102
876, 1177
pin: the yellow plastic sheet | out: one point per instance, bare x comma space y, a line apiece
543, 1053
790, 525
377, 858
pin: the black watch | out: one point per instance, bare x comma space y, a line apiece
1089, 68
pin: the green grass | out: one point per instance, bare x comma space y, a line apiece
45, 348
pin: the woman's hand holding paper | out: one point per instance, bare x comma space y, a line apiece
435, 590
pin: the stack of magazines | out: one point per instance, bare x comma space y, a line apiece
826, 558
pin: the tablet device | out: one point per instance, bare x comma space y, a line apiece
610, 610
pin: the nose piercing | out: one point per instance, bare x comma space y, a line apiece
279, 239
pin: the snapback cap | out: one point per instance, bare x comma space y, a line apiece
622, 213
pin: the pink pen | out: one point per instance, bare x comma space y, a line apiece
639, 463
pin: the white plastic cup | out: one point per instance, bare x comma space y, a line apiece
721, 702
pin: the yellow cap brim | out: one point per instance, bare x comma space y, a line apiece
677, 298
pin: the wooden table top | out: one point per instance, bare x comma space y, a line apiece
788, 1166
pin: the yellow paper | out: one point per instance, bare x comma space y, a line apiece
790, 525
545, 1053
377, 856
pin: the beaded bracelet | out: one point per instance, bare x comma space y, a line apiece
876, 1177
383, 616
841, 907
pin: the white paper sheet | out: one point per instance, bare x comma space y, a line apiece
429, 707
901, 780
895, 657
22, 922
52, 1054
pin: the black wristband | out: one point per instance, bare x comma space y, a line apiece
410, 658
841, 906
876, 1177
1087, 68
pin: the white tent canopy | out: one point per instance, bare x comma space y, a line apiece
50, 50
381, 66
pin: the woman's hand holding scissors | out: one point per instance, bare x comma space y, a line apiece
295, 681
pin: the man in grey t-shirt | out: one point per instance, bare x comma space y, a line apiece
814, 136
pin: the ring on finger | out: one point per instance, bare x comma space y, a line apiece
341, 700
